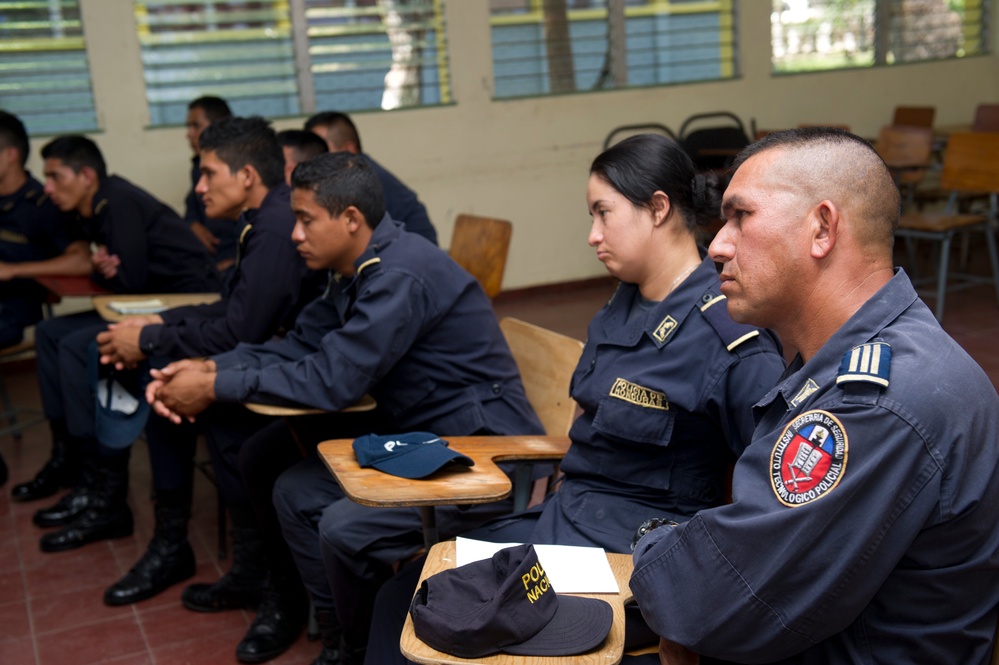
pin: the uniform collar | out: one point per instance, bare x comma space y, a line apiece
664, 318
865, 325
31, 190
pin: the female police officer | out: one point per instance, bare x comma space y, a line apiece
666, 381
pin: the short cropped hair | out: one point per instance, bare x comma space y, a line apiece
306, 145
246, 141
826, 162
340, 125
14, 135
342, 179
215, 108
76, 152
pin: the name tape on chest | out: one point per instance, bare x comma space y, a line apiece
809, 458
639, 395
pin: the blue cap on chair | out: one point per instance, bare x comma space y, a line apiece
120, 403
409, 455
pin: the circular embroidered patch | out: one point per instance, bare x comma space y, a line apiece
809, 458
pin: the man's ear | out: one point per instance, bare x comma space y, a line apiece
355, 219
89, 176
248, 176
824, 219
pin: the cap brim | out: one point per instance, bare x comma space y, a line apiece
422, 461
579, 625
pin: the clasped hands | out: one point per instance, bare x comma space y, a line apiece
182, 389
119, 344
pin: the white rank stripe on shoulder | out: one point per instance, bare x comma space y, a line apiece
369, 262
870, 363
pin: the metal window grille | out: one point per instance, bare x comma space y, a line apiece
44, 77
543, 47
370, 54
810, 35
240, 51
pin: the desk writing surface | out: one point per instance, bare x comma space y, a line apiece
366, 403
484, 482
441, 557
102, 303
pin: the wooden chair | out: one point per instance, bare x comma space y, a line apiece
907, 151
986, 118
971, 163
546, 360
914, 116
480, 246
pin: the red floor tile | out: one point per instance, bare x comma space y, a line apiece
216, 649
17, 652
174, 623
94, 643
14, 624
71, 609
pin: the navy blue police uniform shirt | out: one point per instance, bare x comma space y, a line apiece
223, 229
863, 528
269, 286
666, 392
411, 328
159, 253
402, 204
31, 229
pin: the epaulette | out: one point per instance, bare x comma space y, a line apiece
867, 363
41, 200
100, 206
369, 262
732, 334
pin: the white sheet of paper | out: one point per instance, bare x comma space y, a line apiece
150, 306
570, 569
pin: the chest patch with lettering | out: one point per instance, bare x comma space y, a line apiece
636, 394
809, 458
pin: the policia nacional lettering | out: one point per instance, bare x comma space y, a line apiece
535, 582
635, 394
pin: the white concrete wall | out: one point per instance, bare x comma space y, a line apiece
527, 160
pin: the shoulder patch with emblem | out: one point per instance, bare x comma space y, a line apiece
867, 363
809, 458
732, 334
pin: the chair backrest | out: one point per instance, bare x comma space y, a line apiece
905, 149
480, 246
546, 360
986, 118
971, 162
624, 131
713, 139
914, 116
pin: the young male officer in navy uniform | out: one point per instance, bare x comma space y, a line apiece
400, 321
401, 203
863, 527
219, 236
142, 247
35, 238
299, 146
243, 182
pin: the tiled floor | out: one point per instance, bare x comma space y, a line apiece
50, 604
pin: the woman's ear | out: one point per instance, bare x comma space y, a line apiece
660, 207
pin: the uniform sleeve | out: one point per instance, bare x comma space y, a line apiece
268, 287
389, 315
128, 238
54, 230
758, 580
744, 384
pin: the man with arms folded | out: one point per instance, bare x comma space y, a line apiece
864, 513
400, 321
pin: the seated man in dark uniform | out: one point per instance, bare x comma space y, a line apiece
142, 246
35, 237
242, 181
400, 321
218, 235
401, 203
299, 146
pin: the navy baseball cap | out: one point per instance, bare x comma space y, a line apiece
506, 604
121, 409
409, 455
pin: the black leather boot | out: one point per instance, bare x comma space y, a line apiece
169, 558
73, 503
62, 469
329, 633
108, 517
280, 619
243, 585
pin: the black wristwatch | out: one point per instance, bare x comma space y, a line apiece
649, 525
